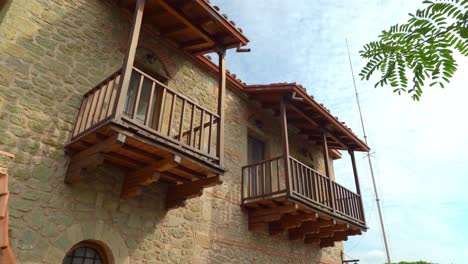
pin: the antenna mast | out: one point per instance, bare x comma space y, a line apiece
369, 159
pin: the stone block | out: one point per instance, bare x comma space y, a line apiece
6, 76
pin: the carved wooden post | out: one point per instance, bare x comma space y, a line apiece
129, 58
221, 100
284, 137
356, 181
327, 170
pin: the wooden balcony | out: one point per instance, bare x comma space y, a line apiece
307, 205
160, 136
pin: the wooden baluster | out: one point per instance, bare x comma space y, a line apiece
112, 100
257, 180
304, 179
270, 167
339, 197
210, 133
150, 105
105, 101
89, 100
171, 115
137, 100
79, 117
243, 186
89, 117
249, 179
182, 116
278, 174
200, 139
192, 120
95, 106
162, 109
314, 186
264, 178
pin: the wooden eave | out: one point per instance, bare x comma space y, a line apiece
194, 26
307, 115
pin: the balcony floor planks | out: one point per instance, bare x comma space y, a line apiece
136, 154
271, 209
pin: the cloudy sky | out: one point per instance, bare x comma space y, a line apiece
419, 147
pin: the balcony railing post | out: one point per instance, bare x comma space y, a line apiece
285, 141
221, 99
331, 197
356, 181
129, 58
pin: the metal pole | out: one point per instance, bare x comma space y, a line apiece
370, 161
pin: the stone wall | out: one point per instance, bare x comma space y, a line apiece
51, 52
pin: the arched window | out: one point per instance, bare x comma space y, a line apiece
86, 253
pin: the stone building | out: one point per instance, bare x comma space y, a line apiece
125, 143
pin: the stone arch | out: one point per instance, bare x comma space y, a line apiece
161, 55
100, 233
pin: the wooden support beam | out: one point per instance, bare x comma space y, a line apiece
180, 193
221, 104
75, 170
307, 227
327, 244
290, 221
335, 228
176, 12
315, 123
193, 44
326, 158
151, 173
321, 235
129, 58
311, 240
358, 187
334, 238
283, 209
92, 156
159, 166
285, 143
264, 218
173, 30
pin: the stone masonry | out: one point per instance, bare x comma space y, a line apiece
51, 53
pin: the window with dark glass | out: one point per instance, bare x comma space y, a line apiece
85, 253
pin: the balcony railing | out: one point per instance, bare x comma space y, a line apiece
155, 108
266, 180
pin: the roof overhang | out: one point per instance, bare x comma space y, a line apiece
192, 25
307, 115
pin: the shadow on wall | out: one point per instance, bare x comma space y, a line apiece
4, 6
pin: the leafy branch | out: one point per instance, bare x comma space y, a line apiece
422, 48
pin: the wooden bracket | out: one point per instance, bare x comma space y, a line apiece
147, 175
290, 221
92, 157
179, 193
307, 227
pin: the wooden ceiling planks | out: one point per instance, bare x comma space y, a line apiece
306, 114
195, 26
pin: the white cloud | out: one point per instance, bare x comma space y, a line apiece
420, 147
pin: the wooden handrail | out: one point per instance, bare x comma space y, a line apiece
307, 185
263, 178
174, 92
314, 187
262, 161
98, 104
